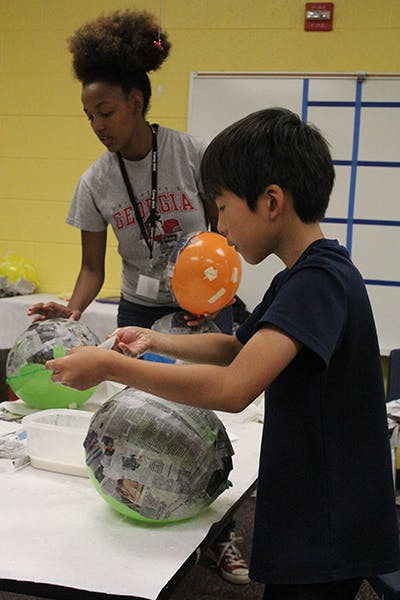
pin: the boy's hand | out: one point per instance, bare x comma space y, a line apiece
81, 369
52, 310
134, 341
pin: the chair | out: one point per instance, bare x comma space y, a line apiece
393, 382
388, 586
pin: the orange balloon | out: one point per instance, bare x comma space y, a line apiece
206, 274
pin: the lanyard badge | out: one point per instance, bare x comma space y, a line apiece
152, 279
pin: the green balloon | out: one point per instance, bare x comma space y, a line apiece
34, 386
27, 375
123, 509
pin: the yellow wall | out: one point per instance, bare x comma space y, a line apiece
46, 142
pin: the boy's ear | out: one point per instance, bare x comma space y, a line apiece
274, 197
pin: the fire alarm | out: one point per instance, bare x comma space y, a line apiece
318, 16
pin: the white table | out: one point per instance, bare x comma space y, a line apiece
101, 318
61, 540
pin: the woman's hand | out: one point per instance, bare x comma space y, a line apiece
52, 310
198, 320
81, 369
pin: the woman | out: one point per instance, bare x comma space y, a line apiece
146, 187
111, 58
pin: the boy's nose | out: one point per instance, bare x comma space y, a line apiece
221, 227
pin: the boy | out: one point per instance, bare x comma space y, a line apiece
325, 514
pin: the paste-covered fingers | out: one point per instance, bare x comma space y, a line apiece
50, 310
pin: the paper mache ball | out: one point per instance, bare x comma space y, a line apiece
154, 460
43, 341
175, 323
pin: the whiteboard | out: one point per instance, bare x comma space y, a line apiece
359, 114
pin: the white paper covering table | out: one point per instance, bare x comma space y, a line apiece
101, 318
57, 531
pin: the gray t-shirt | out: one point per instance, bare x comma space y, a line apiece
101, 199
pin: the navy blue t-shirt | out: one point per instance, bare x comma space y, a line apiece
325, 501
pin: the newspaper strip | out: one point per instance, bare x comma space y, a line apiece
163, 460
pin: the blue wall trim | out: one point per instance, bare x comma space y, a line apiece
385, 223
382, 282
354, 164
350, 103
353, 175
367, 163
305, 102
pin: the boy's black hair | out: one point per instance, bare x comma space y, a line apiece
271, 146
119, 49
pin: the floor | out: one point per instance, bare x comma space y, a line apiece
203, 582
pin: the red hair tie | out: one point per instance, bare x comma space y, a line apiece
158, 44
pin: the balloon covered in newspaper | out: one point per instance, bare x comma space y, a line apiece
204, 272
176, 323
154, 460
42, 341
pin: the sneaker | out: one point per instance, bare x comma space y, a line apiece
230, 561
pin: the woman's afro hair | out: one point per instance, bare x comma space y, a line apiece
117, 45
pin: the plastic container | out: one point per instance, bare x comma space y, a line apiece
55, 440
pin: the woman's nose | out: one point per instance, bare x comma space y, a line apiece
97, 125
